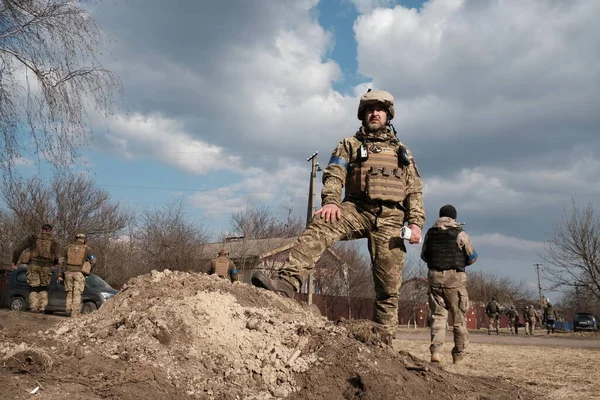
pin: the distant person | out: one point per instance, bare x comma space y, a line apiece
493, 309
224, 267
531, 320
382, 191
550, 317
44, 253
513, 320
78, 262
447, 250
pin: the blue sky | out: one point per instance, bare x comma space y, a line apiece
497, 100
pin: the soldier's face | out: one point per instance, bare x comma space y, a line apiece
375, 117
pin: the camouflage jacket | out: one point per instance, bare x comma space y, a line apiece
346, 156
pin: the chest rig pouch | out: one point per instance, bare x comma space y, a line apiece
380, 176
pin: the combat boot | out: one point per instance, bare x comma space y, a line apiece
457, 357
436, 357
278, 285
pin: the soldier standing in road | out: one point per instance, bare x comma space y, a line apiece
383, 190
224, 267
492, 309
550, 317
513, 320
447, 250
44, 253
531, 320
78, 262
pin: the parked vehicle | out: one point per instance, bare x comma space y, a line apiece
584, 321
14, 292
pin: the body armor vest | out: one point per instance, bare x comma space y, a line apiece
222, 266
75, 254
379, 176
42, 250
442, 252
550, 314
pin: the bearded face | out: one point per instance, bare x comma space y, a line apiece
375, 118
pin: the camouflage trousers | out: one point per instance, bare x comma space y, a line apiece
38, 279
381, 226
494, 323
456, 302
513, 325
74, 285
529, 326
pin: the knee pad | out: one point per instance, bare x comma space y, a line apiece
42, 288
34, 289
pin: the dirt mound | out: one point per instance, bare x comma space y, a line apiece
174, 334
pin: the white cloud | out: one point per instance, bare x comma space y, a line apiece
138, 136
284, 183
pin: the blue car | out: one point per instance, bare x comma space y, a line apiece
14, 292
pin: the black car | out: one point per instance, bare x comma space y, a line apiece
14, 292
584, 321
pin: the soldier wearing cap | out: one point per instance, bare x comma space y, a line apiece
447, 250
224, 267
44, 253
77, 264
383, 191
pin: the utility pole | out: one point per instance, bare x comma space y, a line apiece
537, 267
310, 210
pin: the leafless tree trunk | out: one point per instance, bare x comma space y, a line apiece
50, 76
572, 255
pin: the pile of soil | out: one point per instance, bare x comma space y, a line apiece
172, 335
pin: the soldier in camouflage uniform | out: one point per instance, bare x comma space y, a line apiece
447, 250
44, 252
531, 318
383, 191
74, 271
513, 320
224, 267
493, 309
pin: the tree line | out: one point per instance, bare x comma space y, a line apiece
128, 244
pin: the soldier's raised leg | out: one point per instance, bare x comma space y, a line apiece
310, 245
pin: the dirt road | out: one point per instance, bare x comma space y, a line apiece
540, 338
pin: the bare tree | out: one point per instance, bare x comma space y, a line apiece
70, 203
168, 241
258, 223
49, 75
572, 255
483, 286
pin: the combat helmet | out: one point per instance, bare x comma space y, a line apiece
80, 236
376, 97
